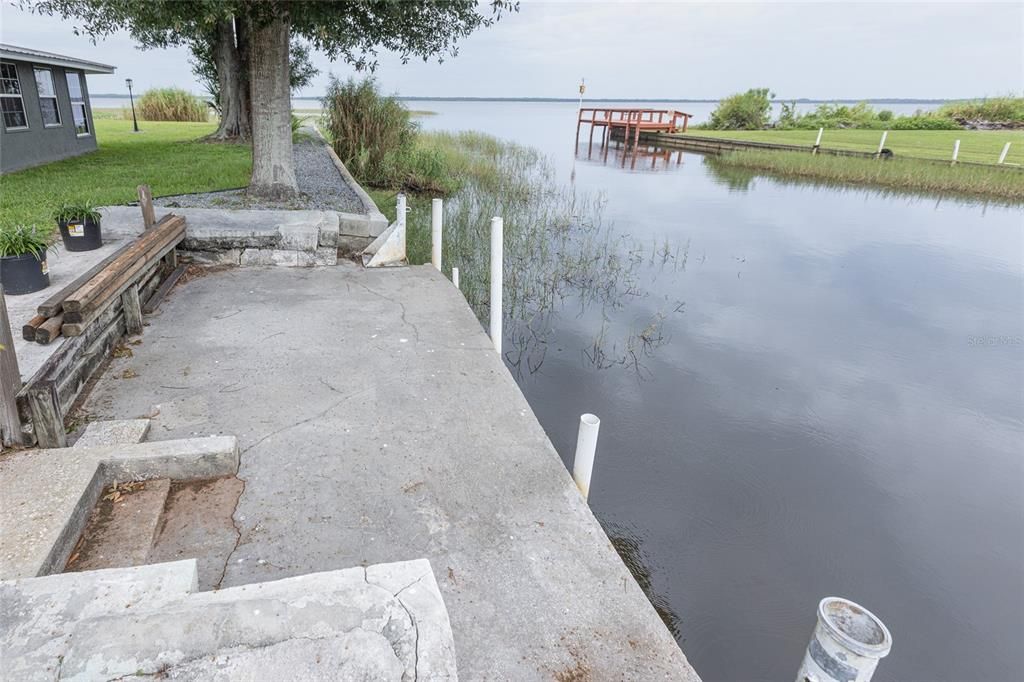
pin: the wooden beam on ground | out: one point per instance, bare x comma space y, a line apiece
49, 330
10, 380
53, 305
154, 301
28, 331
132, 310
47, 418
146, 203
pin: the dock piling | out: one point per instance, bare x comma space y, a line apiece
586, 447
1002, 154
497, 247
436, 222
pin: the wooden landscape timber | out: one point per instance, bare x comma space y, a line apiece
94, 312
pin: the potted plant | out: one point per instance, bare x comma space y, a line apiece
23, 258
79, 226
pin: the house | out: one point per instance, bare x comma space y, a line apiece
45, 105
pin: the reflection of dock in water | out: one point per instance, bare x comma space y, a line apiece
622, 123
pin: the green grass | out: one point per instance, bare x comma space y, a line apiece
166, 156
900, 174
981, 146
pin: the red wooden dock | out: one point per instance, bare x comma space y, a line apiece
631, 121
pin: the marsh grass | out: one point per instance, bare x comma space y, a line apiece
991, 109
169, 104
560, 256
899, 174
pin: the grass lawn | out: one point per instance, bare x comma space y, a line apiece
982, 146
166, 156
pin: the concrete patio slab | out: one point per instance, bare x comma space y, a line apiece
376, 424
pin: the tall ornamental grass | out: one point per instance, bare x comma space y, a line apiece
371, 133
169, 104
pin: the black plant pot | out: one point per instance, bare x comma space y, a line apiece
24, 274
80, 235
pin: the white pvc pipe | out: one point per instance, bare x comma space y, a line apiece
436, 218
586, 446
1002, 154
881, 144
956, 150
455, 277
847, 643
497, 246
400, 209
817, 143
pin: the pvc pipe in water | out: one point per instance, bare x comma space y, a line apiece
455, 277
847, 643
497, 246
436, 214
881, 144
956, 150
1002, 154
586, 446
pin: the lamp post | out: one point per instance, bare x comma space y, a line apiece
131, 98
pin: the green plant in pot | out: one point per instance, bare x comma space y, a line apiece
79, 226
23, 250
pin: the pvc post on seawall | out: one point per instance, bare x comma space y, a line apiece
586, 446
881, 143
455, 277
817, 143
497, 247
847, 643
956, 150
400, 209
436, 220
1002, 154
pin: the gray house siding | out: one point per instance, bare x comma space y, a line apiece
39, 144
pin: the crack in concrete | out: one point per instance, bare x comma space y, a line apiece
238, 530
400, 304
412, 620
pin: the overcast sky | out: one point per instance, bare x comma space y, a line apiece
665, 50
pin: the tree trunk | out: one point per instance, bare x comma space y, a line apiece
233, 77
273, 166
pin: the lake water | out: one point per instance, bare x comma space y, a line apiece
832, 403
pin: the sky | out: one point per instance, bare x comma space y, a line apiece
677, 50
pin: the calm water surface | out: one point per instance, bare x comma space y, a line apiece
832, 404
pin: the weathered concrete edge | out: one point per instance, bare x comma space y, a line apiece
184, 459
421, 597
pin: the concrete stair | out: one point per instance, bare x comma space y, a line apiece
382, 622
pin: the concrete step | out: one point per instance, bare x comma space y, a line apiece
122, 528
197, 524
381, 622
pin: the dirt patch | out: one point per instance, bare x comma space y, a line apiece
197, 524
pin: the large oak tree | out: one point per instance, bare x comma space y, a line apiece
352, 30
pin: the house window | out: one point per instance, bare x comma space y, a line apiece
47, 97
78, 112
11, 102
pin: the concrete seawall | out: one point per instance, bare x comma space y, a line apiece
376, 424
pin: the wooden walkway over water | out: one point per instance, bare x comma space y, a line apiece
631, 121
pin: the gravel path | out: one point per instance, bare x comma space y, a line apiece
321, 187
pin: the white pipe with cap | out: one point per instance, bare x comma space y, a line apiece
847, 644
455, 277
586, 447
